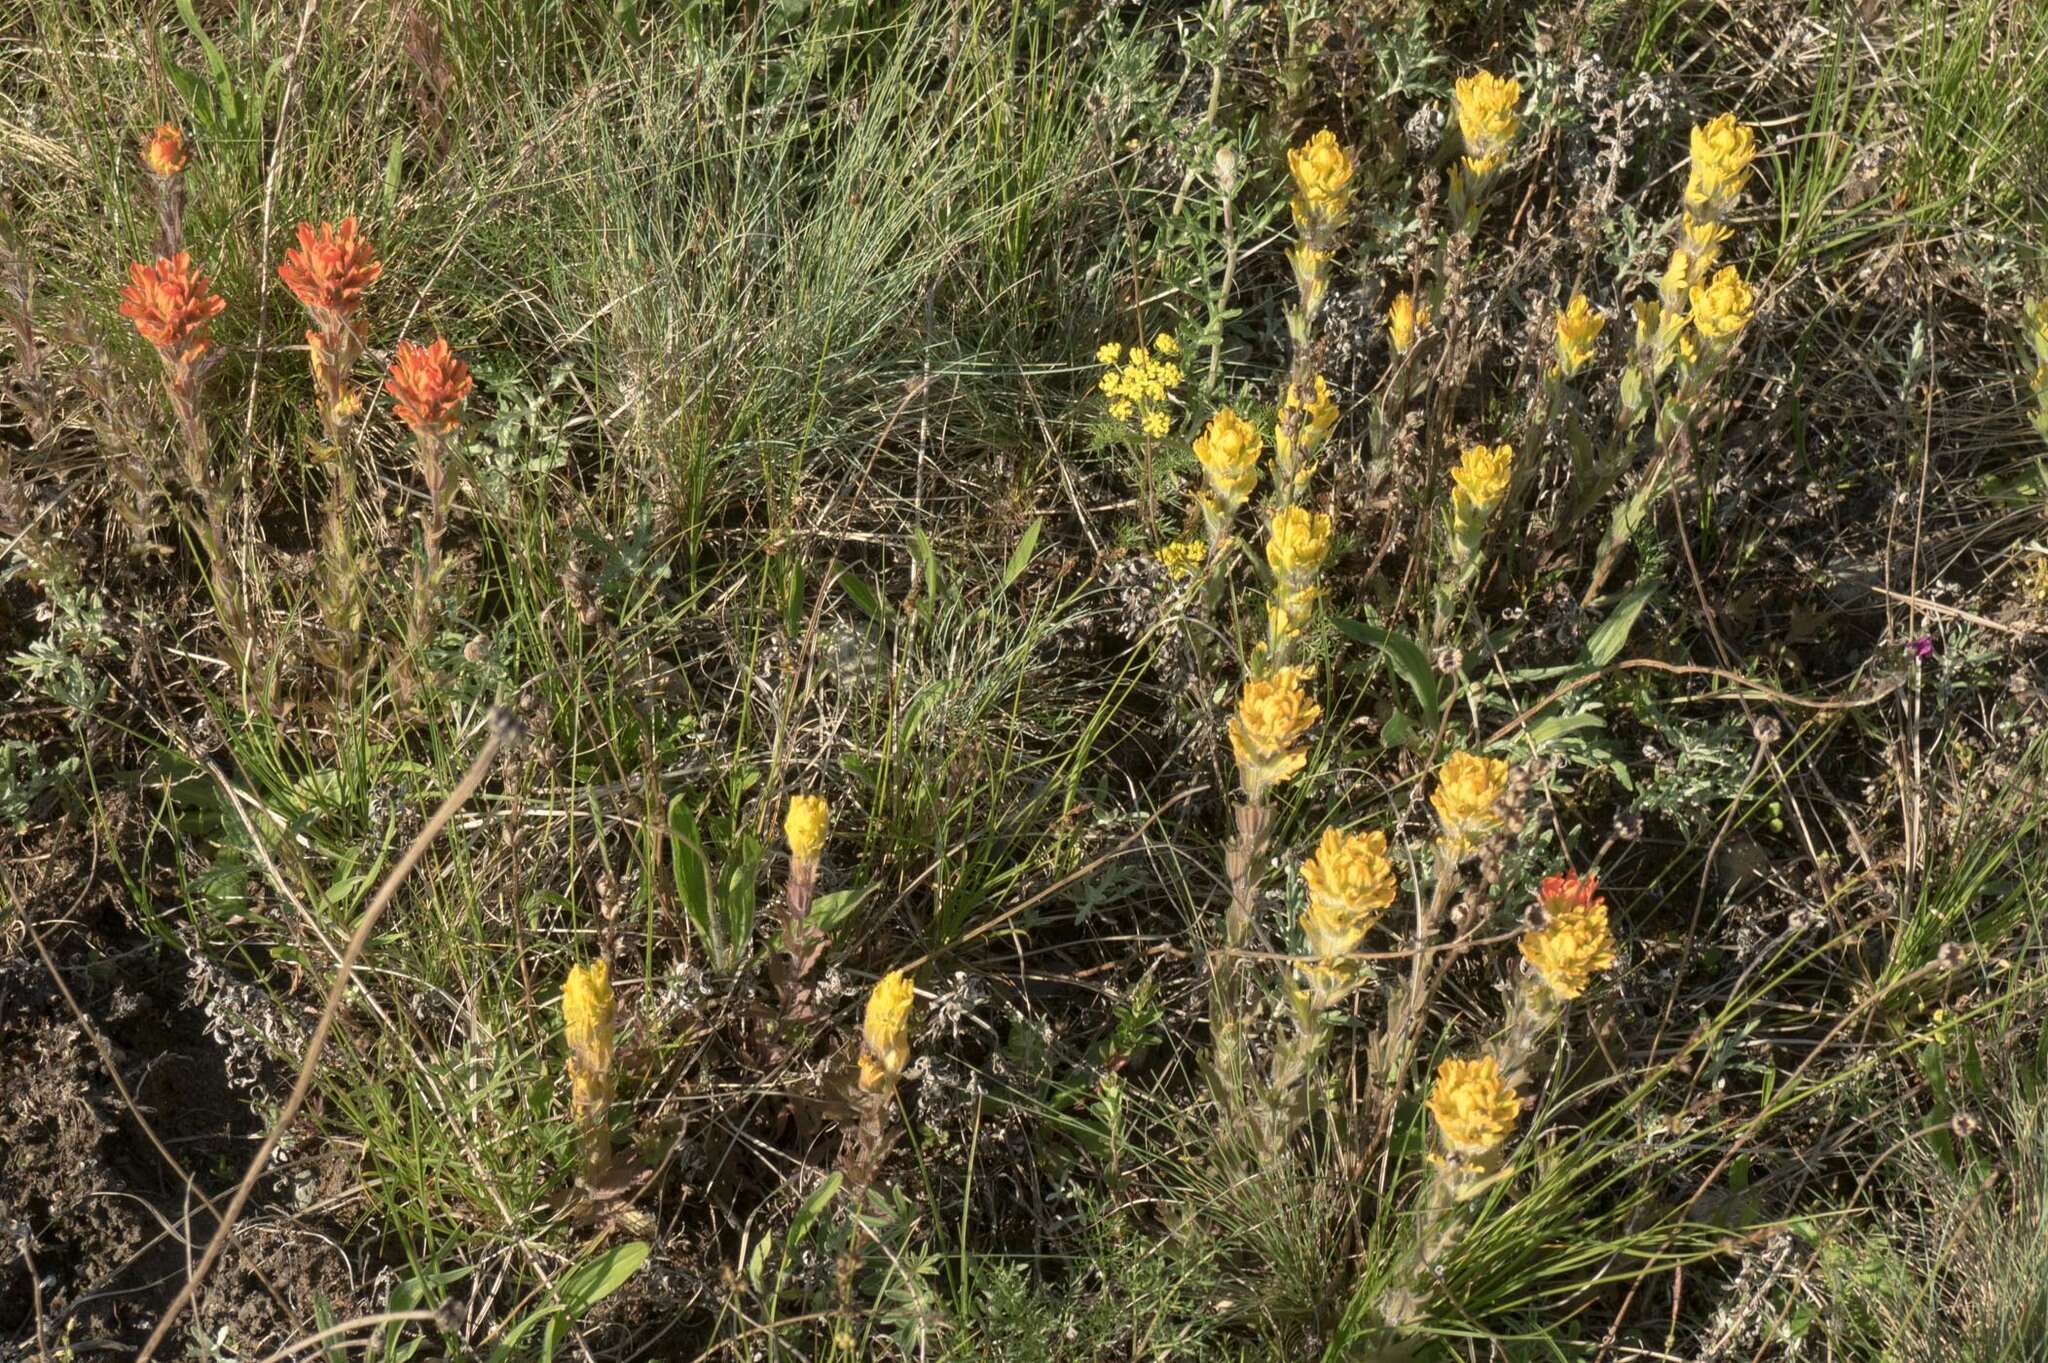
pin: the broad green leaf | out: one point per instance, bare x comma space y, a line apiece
587, 1284
1020, 557
1407, 659
864, 596
693, 875
1605, 643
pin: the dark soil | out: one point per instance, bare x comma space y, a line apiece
99, 1225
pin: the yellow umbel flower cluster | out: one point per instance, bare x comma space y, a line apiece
1578, 332
1228, 450
1475, 1110
807, 824
1274, 715
1488, 120
1182, 557
885, 1032
1350, 884
1322, 172
1467, 800
1140, 385
1574, 941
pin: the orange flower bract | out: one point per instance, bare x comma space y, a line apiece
170, 303
330, 268
428, 385
163, 153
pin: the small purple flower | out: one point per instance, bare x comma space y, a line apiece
1922, 648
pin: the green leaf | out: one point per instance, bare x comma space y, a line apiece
394, 169
587, 1284
1020, 557
864, 596
828, 911
692, 870
1407, 659
1549, 730
1605, 643
800, 1224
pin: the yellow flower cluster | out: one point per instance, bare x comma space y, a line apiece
1274, 715
1182, 557
1140, 385
1350, 884
885, 1032
1722, 307
1297, 544
1574, 941
1475, 1110
1229, 450
1722, 151
807, 824
587, 1025
1467, 800
1404, 319
1487, 119
1322, 172
1297, 437
1578, 331
587, 1013
1478, 483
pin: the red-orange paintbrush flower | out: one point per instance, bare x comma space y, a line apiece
170, 303
428, 386
163, 153
330, 268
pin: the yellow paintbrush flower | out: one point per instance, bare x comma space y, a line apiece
1297, 543
588, 1014
1474, 1108
1273, 716
1229, 450
1574, 941
1578, 331
1487, 119
1322, 179
885, 1032
1478, 483
1404, 320
1700, 240
1350, 884
1467, 799
1722, 307
807, 824
1722, 151
1305, 422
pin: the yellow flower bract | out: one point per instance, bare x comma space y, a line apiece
1479, 481
885, 1031
587, 1013
1404, 319
1578, 330
1574, 942
1487, 119
1474, 1108
1467, 798
806, 824
1322, 172
1273, 716
1229, 450
1350, 884
1722, 307
1722, 151
1298, 542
